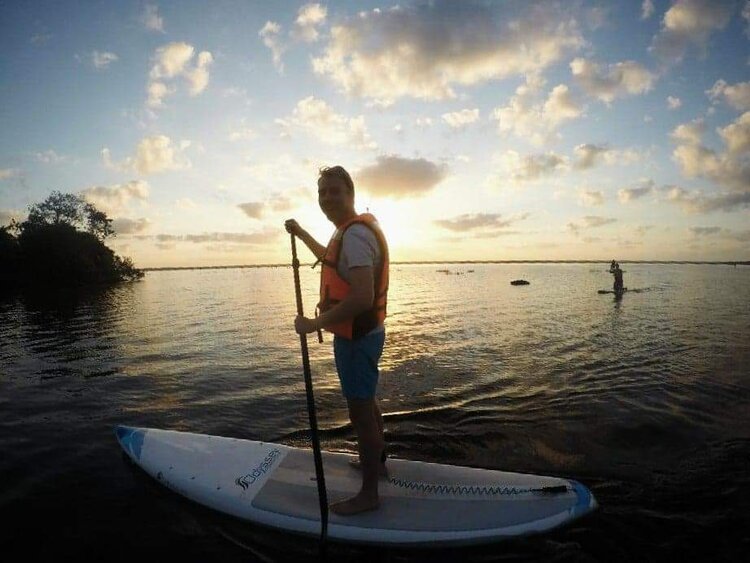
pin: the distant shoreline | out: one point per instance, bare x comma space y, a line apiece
467, 262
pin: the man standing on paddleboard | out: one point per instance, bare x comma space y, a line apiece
353, 295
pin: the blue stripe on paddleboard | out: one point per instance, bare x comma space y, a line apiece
131, 440
583, 500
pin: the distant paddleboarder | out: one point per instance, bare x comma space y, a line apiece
617, 273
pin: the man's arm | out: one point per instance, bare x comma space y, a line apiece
315, 247
359, 300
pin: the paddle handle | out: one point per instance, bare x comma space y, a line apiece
319, 474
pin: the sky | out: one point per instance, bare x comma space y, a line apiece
473, 130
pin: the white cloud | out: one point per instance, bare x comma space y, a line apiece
171, 61
309, 18
102, 60
424, 50
590, 198
736, 95
316, 118
253, 209
673, 102
729, 168
423, 122
114, 200
7, 173
530, 119
49, 157
270, 33
617, 81
154, 154
647, 9
261, 237
532, 167
481, 222
125, 226
698, 203
690, 23
460, 119
588, 155
626, 195
151, 18
736, 136
397, 177
589, 222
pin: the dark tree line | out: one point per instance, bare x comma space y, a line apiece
61, 243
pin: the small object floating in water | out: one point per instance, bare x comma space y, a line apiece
603, 291
520, 282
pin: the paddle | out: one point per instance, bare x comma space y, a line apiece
320, 477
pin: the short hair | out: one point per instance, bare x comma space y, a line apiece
337, 172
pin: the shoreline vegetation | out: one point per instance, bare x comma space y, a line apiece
61, 244
467, 262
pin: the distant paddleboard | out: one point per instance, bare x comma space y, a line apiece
420, 503
602, 291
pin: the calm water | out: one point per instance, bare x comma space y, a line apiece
645, 399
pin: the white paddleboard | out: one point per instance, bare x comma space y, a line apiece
420, 503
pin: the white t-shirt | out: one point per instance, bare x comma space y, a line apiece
359, 247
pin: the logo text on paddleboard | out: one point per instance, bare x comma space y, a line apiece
246, 480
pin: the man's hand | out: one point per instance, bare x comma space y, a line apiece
292, 227
303, 325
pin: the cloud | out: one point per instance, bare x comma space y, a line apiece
397, 177
704, 231
460, 119
309, 17
590, 198
261, 237
617, 81
589, 222
151, 18
114, 200
8, 173
424, 50
482, 222
172, 61
316, 118
588, 156
647, 9
736, 95
532, 167
153, 154
253, 209
532, 119
270, 33
696, 203
49, 157
124, 226
729, 168
626, 195
102, 60
690, 23
673, 102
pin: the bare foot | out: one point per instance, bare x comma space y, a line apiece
382, 469
355, 505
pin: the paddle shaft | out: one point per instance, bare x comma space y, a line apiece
320, 476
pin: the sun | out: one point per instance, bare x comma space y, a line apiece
397, 222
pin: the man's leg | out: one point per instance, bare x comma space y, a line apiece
367, 421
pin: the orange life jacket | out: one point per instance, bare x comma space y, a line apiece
334, 288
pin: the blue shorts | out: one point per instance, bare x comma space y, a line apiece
357, 364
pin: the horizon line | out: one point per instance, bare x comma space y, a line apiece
440, 262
